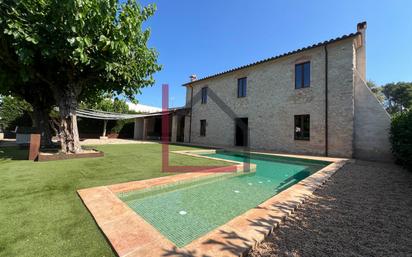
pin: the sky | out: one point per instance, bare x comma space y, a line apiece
207, 37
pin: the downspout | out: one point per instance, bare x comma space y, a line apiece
191, 113
326, 100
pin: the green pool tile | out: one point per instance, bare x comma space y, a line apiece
185, 211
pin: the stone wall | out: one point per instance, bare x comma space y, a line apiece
272, 101
372, 124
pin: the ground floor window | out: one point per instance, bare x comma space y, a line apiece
302, 127
202, 128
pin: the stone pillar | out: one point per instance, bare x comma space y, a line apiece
187, 129
103, 137
138, 128
174, 128
145, 127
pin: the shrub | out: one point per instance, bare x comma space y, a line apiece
401, 138
124, 128
127, 131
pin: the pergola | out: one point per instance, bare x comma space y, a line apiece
106, 116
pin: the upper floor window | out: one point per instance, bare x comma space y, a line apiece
202, 128
302, 75
302, 127
204, 95
241, 87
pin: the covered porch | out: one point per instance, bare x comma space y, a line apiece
149, 126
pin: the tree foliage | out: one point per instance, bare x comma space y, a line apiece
75, 51
12, 111
107, 105
398, 96
376, 90
401, 138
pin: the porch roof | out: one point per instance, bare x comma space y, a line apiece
102, 115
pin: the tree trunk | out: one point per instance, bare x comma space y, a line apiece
69, 134
41, 122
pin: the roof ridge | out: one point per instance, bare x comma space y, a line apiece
276, 57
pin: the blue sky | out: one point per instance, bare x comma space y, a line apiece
206, 37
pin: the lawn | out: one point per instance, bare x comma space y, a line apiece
40, 212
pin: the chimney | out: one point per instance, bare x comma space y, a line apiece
193, 77
361, 27
361, 50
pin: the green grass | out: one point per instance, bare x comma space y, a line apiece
40, 211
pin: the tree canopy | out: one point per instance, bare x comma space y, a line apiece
108, 105
398, 96
75, 51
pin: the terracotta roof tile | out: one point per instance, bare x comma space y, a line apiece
276, 57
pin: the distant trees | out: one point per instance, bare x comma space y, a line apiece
13, 112
396, 97
107, 105
376, 90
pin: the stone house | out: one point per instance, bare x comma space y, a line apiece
313, 100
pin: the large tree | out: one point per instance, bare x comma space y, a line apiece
398, 96
77, 50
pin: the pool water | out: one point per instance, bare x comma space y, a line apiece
186, 211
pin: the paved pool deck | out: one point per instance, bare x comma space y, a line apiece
131, 236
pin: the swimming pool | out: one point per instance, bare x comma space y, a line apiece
184, 212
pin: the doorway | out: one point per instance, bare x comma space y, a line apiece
181, 129
241, 133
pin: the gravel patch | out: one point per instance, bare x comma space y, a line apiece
365, 209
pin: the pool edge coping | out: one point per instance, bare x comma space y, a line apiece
118, 221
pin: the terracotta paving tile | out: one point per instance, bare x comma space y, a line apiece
108, 208
129, 186
142, 184
253, 225
130, 233
191, 175
224, 241
159, 248
91, 194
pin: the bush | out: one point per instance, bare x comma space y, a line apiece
401, 138
124, 128
127, 130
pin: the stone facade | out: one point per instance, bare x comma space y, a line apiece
272, 102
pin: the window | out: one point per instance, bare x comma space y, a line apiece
302, 127
302, 75
204, 95
241, 87
202, 128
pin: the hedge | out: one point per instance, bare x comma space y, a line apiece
401, 138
